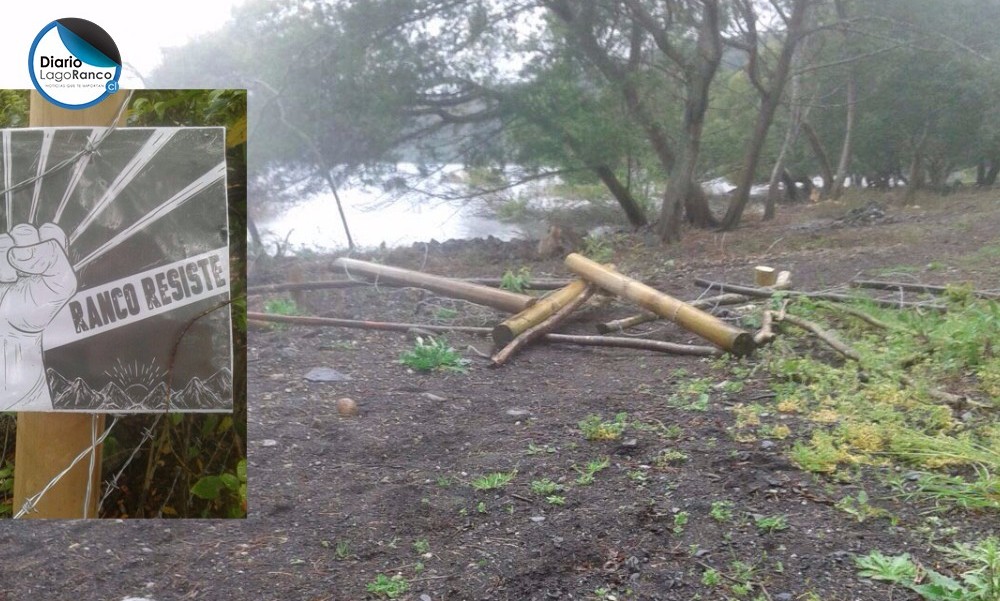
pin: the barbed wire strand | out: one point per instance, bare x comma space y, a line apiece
112, 485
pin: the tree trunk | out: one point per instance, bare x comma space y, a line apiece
992, 172
825, 171
770, 99
852, 99
916, 177
636, 216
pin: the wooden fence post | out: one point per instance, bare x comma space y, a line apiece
48, 442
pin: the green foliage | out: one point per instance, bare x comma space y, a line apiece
544, 486
590, 470
859, 507
598, 249
227, 491
516, 281
390, 588
432, 354
979, 566
594, 428
721, 511
281, 306
13, 108
6, 490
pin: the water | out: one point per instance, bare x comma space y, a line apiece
393, 218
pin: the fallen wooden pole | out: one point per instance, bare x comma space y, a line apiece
546, 307
830, 296
925, 288
301, 320
714, 330
641, 318
541, 327
345, 283
609, 341
483, 295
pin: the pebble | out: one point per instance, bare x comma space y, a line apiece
269, 442
325, 374
767, 444
433, 397
425, 597
518, 412
630, 443
783, 597
538, 519
347, 407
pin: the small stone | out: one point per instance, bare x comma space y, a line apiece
767, 444
433, 397
325, 374
518, 412
269, 442
425, 597
630, 443
538, 519
783, 597
347, 407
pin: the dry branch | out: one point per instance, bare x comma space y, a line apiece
512, 327
695, 320
543, 327
483, 295
641, 318
869, 319
924, 288
300, 320
830, 296
766, 332
637, 343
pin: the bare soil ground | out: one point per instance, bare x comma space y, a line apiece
335, 501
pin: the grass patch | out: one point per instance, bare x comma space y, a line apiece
494, 481
594, 428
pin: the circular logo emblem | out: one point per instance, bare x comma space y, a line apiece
74, 63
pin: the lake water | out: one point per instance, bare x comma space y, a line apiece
394, 218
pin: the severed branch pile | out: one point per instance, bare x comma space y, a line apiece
537, 319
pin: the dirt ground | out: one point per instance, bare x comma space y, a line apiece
335, 501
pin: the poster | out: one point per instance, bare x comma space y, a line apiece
114, 270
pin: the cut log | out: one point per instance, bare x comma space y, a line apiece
783, 281
345, 283
830, 296
509, 329
637, 343
482, 295
765, 276
641, 318
543, 326
924, 288
714, 330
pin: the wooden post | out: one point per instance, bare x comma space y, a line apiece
710, 328
48, 442
482, 295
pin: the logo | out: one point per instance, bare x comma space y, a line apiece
74, 63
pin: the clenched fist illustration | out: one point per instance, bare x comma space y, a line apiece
36, 282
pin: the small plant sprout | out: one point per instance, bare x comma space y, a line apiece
390, 588
342, 551
433, 354
281, 306
494, 481
771, 524
421, 546
680, 520
594, 428
711, 577
555, 500
544, 487
588, 471
721, 511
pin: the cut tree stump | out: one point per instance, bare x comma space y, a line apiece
716, 331
765, 276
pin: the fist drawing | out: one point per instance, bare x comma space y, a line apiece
36, 282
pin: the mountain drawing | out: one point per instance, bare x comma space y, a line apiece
212, 394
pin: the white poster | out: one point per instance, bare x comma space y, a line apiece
114, 270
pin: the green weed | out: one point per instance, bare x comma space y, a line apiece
387, 587
435, 353
517, 281
594, 428
494, 481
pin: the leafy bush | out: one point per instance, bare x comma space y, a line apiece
434, 353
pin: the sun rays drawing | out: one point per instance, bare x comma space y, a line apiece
114, 242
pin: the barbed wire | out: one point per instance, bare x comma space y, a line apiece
91, 147
112, 485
